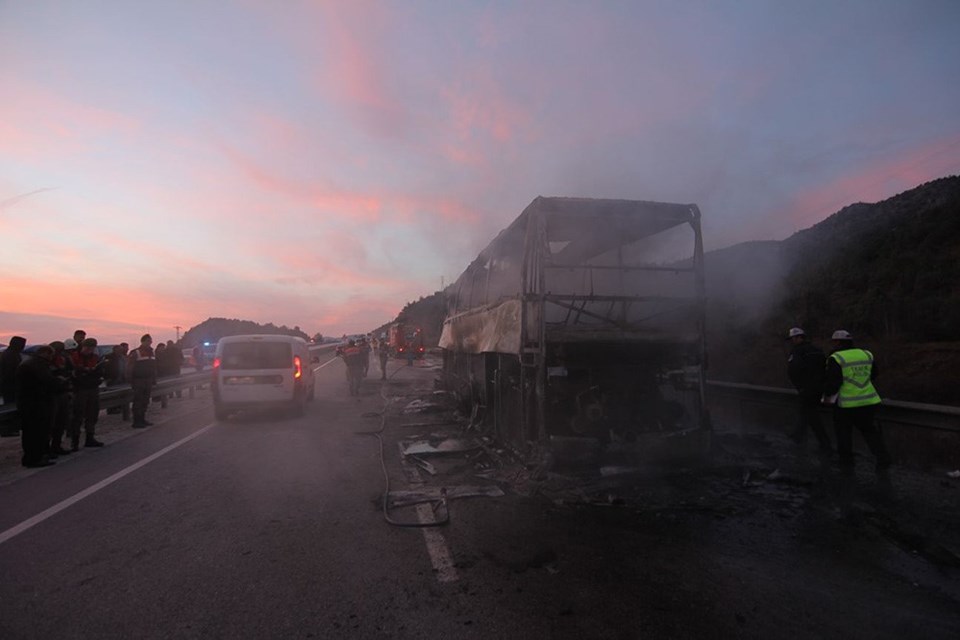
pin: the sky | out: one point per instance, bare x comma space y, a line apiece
320, 164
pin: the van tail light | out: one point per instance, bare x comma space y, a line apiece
297, 368
216, 364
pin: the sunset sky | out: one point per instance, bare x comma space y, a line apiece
322, 163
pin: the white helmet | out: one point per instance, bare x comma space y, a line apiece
840, 334
69, 344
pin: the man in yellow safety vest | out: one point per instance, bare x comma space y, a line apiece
849, 387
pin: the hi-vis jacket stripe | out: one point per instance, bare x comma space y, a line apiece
856, 390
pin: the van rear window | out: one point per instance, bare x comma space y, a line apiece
256, 355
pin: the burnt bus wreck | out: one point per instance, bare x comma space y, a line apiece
584, 318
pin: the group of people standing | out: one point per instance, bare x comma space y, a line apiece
843, 380
56, 389
356, 356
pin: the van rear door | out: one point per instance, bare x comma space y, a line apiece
254, 371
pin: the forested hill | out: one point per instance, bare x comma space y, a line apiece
888, 272
427, 314
212, 329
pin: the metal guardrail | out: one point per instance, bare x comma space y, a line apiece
122, 395
928, 416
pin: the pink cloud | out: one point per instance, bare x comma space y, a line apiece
352, 205
38, 123
356, 70
874, 182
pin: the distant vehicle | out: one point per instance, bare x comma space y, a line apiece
402, 340
262, 371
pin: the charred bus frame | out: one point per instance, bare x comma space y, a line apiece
584, 317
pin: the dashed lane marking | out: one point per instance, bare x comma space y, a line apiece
437, 547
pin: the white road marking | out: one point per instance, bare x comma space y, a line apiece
437, 547
89, 491
326, 363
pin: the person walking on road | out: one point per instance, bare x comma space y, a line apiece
87, 375
805, 367
849, 387
143, 375
353, 358
37, 389
383, 351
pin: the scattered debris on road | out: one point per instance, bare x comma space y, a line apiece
433, 494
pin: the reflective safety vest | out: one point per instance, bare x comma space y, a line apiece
856, 390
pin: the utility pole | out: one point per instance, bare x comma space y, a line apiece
178, 327
441, 283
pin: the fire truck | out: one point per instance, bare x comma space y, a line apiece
403, 340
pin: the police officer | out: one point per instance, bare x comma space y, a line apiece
805, 367
849, 387
143, 375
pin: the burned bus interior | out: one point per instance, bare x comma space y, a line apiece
583, 318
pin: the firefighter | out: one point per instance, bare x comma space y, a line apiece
849, 387
353, 358
805, 367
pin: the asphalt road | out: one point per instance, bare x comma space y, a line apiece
269, 526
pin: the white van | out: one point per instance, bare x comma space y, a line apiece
262, 371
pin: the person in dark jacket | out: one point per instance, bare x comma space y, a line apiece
9, 361
384, 352
62, 368
115, 366
37, 389
87, 375
805, 367
143, 375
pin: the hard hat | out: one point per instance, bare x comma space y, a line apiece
840, 334
69, 344
796, 331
